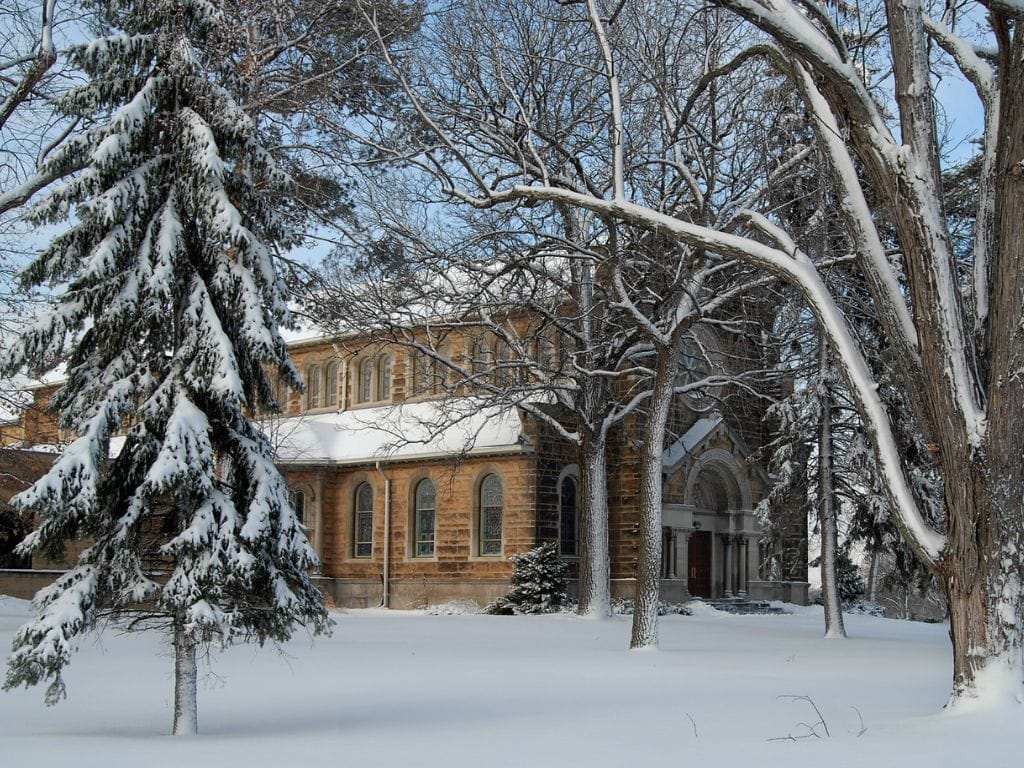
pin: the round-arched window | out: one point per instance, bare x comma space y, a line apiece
425, 513
492, 503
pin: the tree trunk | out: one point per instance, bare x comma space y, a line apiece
872, 586
186, 721
594, 566
648, 569
827, 513
983, 567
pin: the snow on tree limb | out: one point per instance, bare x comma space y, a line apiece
798, 271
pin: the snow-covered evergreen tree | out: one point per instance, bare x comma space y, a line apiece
169, 328
538, 583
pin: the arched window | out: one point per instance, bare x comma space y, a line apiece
362, 522
366, 380
298, 500
567, 522
281, 395
439, 370
492, 501
332, 386
313, 387
504, 372
479, 355
423, 524
384, 377
419, 366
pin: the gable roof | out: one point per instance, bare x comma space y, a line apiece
697, 435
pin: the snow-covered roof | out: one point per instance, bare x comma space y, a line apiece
691, 439
405, 431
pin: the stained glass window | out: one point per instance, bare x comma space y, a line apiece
491, 514
363, 521
426, 507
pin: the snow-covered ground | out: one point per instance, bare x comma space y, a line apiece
411, 689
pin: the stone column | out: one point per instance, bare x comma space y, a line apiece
672, 554
683, 557
741, 544
727, 581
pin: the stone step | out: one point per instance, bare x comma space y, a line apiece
738, 605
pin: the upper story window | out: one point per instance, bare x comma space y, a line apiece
429, 371
313, 387
374, 379
281, 395
481, 355
331, 386
567, 521
298, 500
384, 377
425, 504
492, 506
366, 380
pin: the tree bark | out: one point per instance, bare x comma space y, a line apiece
827, 513
983, 568
186, 722
648, 569
594, 565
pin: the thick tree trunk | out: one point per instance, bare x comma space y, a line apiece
186, 722
594, 566
827, 513
983, 567
648, 569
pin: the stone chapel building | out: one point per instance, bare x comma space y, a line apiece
407, 507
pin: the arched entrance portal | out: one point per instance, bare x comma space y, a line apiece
718, 533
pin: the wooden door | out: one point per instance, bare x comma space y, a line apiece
699, 563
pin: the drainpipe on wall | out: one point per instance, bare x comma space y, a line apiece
318, 521
386, 575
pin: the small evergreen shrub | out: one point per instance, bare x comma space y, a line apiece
538, 584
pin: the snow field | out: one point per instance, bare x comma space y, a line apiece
395, 688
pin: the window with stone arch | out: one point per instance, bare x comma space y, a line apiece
492, 514
298, 500
366, 380
362, 522
384, 377
424, 518
331, 386
313, 387
568, 520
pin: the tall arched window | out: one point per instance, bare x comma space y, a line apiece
281, 395
313, 387
362, 522
332, 386
479, 355
366, 380
298, 500
567, 522
492, 502
423, 523
419, 365
384, 377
